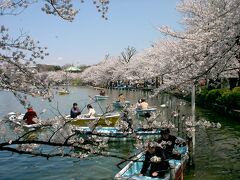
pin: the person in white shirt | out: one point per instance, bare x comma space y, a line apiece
91, 111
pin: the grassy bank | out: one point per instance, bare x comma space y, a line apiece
224, 101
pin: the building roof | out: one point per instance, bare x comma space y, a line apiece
72, 69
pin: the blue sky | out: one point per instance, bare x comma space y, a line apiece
89, 38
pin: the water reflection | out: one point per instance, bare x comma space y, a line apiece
217, 150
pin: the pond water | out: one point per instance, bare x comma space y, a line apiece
217, 153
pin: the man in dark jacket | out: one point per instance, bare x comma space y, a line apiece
75, 111
168, 140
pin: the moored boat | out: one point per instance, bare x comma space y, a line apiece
108, 119
175, 171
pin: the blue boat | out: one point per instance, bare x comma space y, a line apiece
119, 104
114, 134
142, 112
120, 87
100, 97
133, 168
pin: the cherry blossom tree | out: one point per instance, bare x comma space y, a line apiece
66, 9
127, 54
103, 72
19, 53
208, 47
17, 58
210, 41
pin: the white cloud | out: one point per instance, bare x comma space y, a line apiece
59, 58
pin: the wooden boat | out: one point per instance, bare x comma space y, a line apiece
144, 111
118, 104
104, 120
99, 97
114, 134
175, 172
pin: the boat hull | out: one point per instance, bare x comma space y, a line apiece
142, 112
106, 120
63, 92
99, 97
118, 104
114, 134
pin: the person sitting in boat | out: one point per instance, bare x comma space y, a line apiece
75, 111
143, 104
64, 90
30, 116
125, 117
91, 111
156, 159
102, 93
121, 98
138, 105
169, 141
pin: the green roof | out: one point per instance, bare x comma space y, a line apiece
72, 69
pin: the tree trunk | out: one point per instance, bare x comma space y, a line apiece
157, 82
233, 82
238, 78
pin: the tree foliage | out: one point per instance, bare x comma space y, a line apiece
18, 53
208, 47
127, 54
